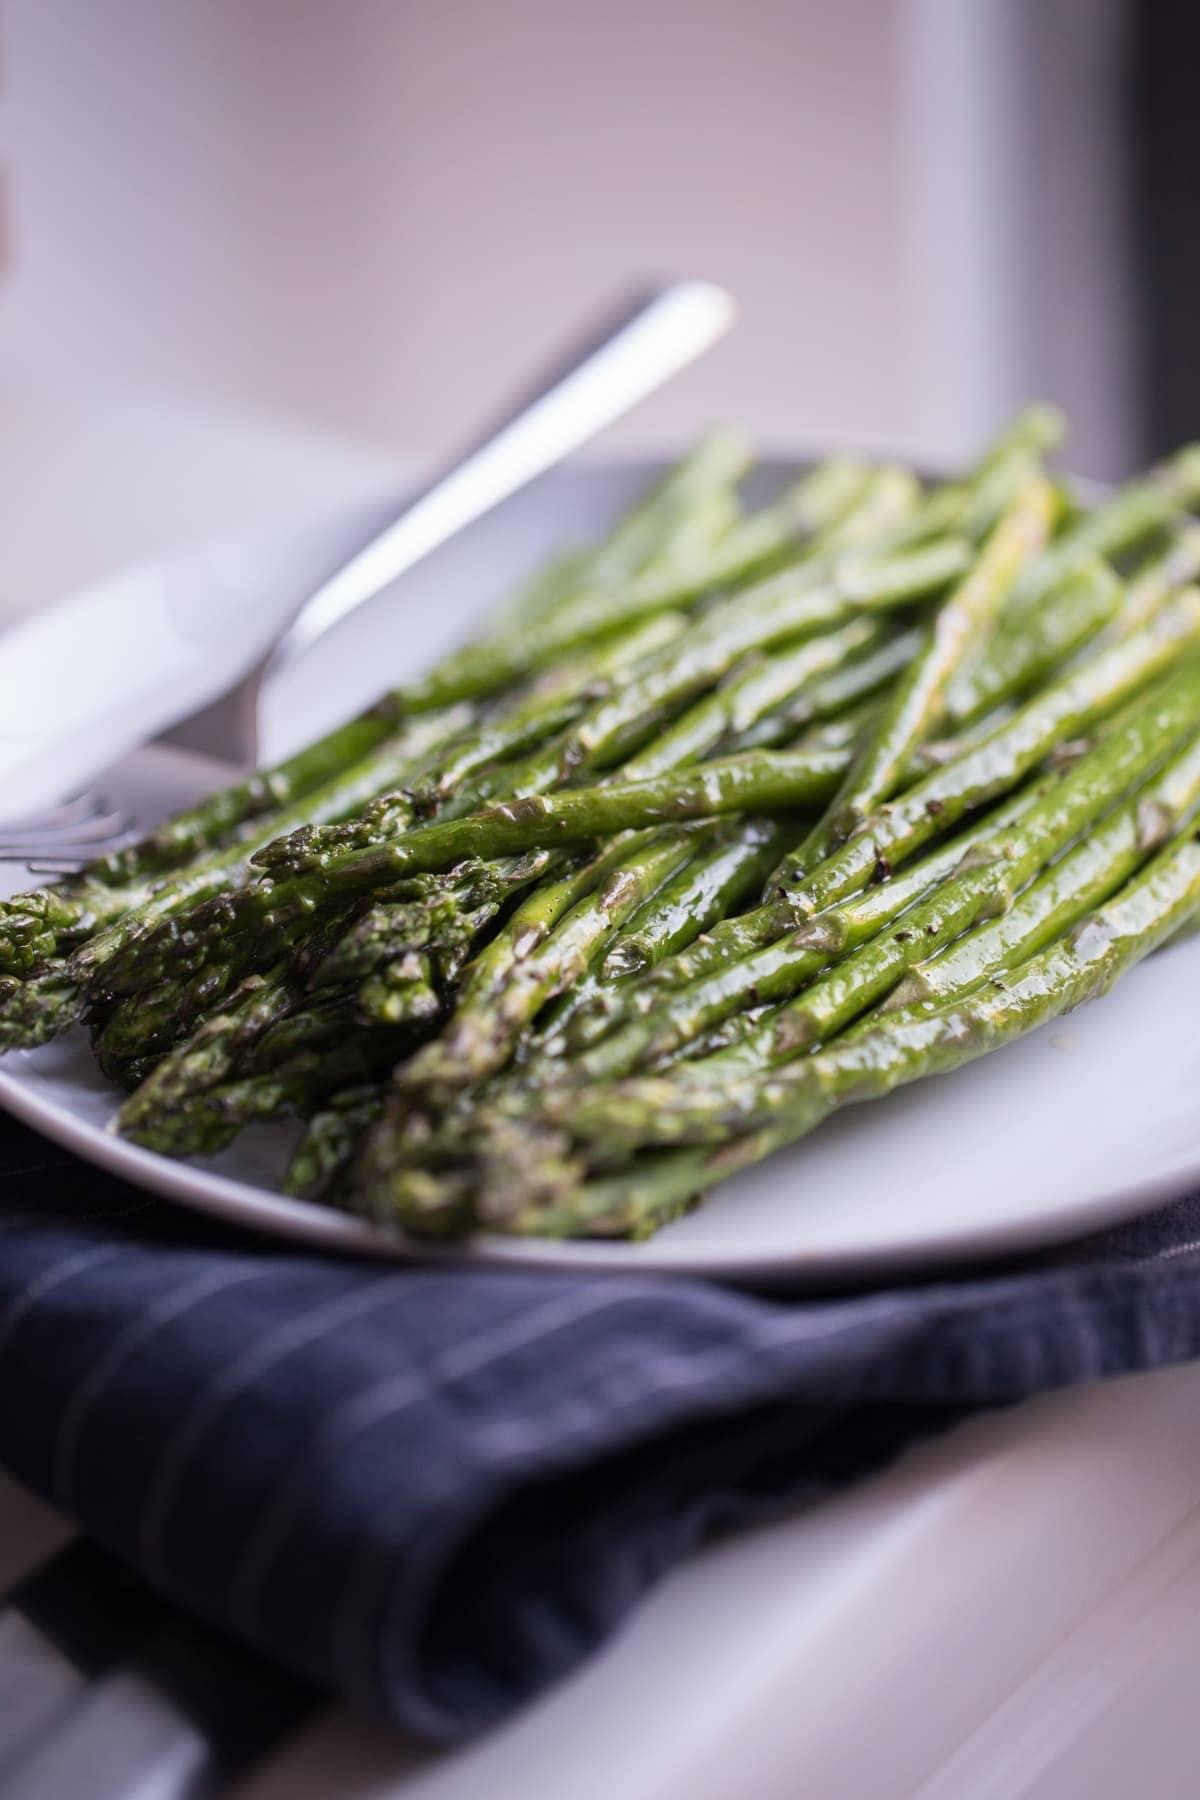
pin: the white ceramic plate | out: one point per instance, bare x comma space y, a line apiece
1082, 1123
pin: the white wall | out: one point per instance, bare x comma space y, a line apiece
374, 213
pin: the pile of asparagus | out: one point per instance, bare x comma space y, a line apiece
735, 818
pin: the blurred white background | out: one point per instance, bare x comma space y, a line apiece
374, 214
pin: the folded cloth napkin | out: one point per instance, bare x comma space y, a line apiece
437, 1490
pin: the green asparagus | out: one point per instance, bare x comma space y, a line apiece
727, 821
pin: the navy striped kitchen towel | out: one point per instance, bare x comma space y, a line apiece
436, 1490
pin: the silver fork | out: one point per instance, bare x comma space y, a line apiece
618, 363
64, 838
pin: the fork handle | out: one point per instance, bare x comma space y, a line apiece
651, 338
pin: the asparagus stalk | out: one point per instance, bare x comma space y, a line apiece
399, 955
860, 678
986, 887
664, 683
960, 623
538, 1185
758, 780
552, 705
970, 507
973, 873
730, 941
1135, 513
710, 879
404, 990
973, 505
650, 530
331, 1141
653, 1026
1092, 870
491, 973
209, 824
793, 604
425, 915
972, 777
491, 664
721, 723
484, 749
730, 863
656, 531
523, 969
270, 1046
212, 1117
1084, 878
1025, 648
39, 918
782, 607
1063, 710
740, 936
205, 1059
1078, 967
480, 1038
710, 469
750, 692
532, 923
560, 762
744, 698
446, 922
1020, 656
450, 920
515, 976
655, 686
818, 504
104, 951
131, 1028
36, 1009
401, 1139
491, 1017
531, 716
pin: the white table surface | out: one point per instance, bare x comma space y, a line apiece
1011, 1610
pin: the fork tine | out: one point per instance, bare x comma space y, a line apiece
72, 867
67, 837
77, 856
96, 830
56, 818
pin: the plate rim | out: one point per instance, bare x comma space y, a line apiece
309, 1222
